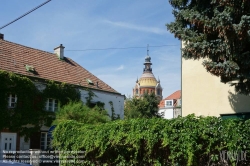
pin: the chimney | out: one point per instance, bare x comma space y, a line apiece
1, 36
59, 51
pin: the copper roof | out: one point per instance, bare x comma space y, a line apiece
14, 57
174, 96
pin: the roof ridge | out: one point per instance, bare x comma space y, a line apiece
27, 47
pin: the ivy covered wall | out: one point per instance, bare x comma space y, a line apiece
29, 114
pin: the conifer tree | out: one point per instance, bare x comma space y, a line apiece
219, 32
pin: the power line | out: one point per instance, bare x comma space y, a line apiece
121, 48
25, 14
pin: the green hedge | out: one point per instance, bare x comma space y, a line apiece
182, 141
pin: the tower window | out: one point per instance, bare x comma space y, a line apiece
136, 91
158, 92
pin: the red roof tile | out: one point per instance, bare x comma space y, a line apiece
174, 96
14, 57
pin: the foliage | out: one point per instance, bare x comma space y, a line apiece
100, 105
186, 141
81, 113
62, 92
113, 116
219, 31
29, 113
146, 107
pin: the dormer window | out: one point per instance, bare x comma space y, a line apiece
52, 105
169, 103
89, 82
12, 100
30, 68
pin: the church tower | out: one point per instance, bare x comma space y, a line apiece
147, 82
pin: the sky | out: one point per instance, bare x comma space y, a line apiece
108, 38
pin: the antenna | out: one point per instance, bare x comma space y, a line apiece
25, 14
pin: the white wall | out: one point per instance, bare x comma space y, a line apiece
105, 97
24, 145
167, 113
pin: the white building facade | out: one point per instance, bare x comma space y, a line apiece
170, 107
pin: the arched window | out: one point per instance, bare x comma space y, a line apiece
158, 92
136, 91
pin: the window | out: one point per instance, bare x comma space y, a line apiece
169, 103
52, 105
12, 101
90, 82
44, 141
158, 92
136, 91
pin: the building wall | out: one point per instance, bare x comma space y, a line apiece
105, 97
118, 100
167, 113
24, 145
204, 94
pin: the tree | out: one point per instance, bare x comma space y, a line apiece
219, 31
81, 113
146, 107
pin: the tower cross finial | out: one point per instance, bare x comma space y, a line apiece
147, 49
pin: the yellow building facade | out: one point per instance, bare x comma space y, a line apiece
204, 94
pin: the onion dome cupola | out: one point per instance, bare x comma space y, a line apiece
147, 82
147, 64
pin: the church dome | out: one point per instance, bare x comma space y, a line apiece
148, 80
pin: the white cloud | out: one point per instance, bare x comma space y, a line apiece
120, 67
137, 27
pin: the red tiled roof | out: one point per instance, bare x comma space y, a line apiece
174, 96
14, 57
